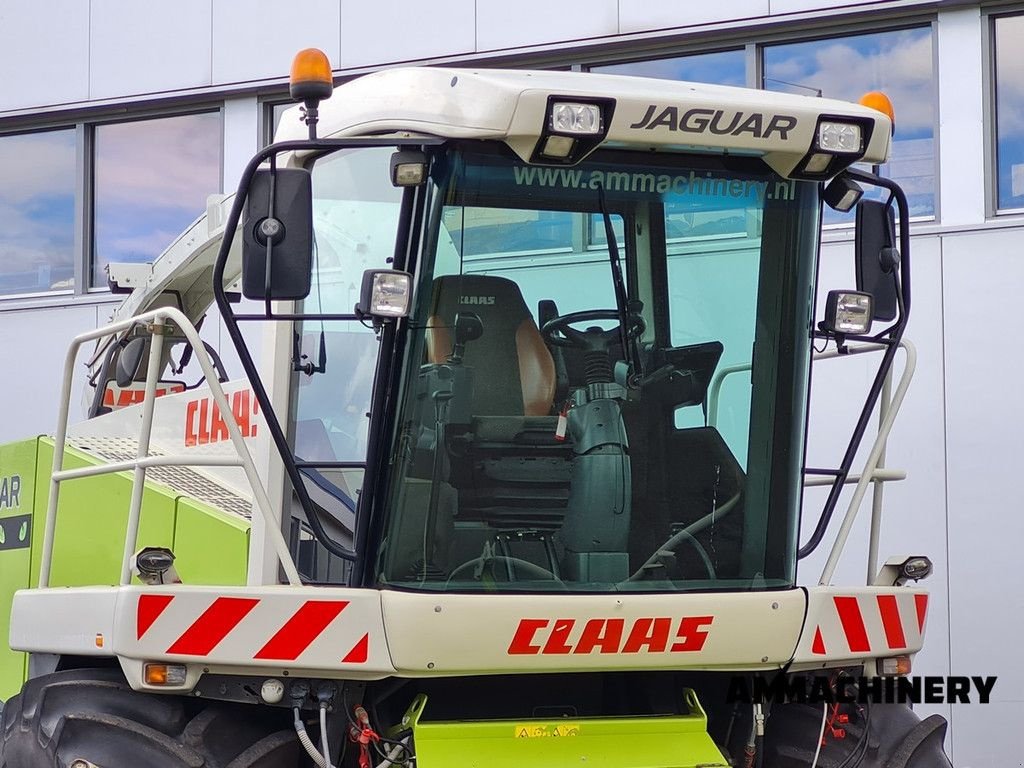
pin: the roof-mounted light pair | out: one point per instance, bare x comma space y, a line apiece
572, 129
841, 140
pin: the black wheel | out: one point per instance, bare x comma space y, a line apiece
91, 717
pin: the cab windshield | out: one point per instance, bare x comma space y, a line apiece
605, 378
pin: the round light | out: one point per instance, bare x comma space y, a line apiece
311, 76
879, 102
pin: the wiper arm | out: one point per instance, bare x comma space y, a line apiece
630, 350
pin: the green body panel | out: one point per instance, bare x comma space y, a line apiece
211, 546
92, 517
671, 741
17, 499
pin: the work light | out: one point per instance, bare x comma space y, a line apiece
847, 312
574, 118
385, 294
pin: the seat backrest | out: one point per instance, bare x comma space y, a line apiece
513, 373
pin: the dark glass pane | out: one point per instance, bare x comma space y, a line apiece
720, 68
898, 63
152, 178
1010, 110
37, 212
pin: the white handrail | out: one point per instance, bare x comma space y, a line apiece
888, 418
157, 321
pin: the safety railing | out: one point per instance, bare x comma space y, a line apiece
873, 473
157, 323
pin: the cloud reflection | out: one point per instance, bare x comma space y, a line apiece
719, 68
1009, 31
37, 211
152, 180
899, 63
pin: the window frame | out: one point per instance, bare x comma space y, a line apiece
83, 249
990, 111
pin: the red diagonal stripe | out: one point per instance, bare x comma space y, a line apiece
853, 624
150, 608
213, 626
818, 646
921, 603
891, 621
360, 652
301, 629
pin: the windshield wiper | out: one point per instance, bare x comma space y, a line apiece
630, 347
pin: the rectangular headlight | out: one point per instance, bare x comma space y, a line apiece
570, 117
834, 136
385, 293
848, 312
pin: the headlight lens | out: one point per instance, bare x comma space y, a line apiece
839, 137
569, 117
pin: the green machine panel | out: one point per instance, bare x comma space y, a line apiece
17, 498
665, 741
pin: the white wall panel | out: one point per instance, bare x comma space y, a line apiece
985, 413
44, 47
148, 47
255, 39
987, 736
35, 342
392, 30
504, 24
641, 15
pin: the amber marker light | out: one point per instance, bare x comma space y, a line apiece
311, 76
879, 102
164, 674
311, 81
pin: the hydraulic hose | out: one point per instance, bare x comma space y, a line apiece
307, 743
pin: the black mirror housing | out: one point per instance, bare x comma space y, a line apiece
279, 211
129, 360
877, 257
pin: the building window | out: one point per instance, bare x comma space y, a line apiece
898, 62
151, 180
37, 212
720, 68
1009, 91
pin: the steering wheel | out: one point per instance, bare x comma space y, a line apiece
558, 331
530, 569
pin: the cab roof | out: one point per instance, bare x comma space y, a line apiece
650, 114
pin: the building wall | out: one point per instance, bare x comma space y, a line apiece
959, 435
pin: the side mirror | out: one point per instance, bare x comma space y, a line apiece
128, 361
877, 257
278, 226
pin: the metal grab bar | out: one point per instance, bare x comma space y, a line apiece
887, 410
157, 320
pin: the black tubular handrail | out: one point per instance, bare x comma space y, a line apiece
890, 337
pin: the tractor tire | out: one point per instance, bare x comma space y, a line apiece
91, 718
895, 737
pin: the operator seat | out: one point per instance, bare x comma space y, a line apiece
513, 371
